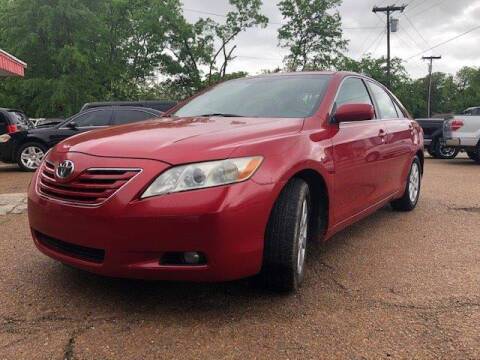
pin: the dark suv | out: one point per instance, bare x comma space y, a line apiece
27, 147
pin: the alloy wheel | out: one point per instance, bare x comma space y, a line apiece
414, 182
31, 157
447, 151
302, 237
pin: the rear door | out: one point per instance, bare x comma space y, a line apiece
127, 116
358, 151
400, 139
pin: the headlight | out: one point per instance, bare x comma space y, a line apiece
203, 175
4, 138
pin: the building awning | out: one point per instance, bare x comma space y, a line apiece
10, 65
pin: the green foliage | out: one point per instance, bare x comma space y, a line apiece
79, 51
450, 94
313, 34
93, 50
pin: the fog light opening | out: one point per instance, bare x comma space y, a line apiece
183, 258
191, 257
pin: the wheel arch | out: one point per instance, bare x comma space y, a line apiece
421, 157
28, 140
319, 199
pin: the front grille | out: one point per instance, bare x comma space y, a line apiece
76, 251
91, 188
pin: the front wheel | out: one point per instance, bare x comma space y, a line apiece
30, 155
445, 152
409, 199
286, 236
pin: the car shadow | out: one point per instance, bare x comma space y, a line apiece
190, 298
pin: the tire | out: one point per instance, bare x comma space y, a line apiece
474, 156
445, 152
30, 155
409, 199
286, 236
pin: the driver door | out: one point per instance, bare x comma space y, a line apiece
358, 152
85, 121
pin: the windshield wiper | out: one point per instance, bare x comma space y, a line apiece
222, 114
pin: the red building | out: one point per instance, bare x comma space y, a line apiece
10, 65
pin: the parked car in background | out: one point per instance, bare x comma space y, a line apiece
463, 132
27, 147
160, 105
433, 139
232, 183
475, 110
12, 120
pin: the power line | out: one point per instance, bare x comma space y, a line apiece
430, 7
374, 42
416, 30
413, 40
378, 44
410, 7
444, 42
220, 15
277, 23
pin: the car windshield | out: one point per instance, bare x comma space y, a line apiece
271, 96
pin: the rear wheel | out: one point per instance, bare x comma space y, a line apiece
476, 157
409, 200
30, 155
473, 155
286, 238
445, 152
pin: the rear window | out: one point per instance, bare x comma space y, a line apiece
21, 120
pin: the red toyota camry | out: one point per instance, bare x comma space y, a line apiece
233, 182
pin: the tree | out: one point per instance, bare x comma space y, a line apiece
206, 46
93, 50
313, 34
80, 50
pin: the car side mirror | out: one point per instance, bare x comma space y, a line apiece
354, 112
72, 125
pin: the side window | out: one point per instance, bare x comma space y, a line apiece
384, 102
353, 90
129, 116
399, 111
94, 118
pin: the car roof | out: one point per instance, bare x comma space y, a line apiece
8, 109
140, 108
152, 104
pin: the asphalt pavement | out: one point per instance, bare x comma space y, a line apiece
395, 285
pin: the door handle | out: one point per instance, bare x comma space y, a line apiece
382, 134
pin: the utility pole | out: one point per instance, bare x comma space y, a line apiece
430, 65
388, 10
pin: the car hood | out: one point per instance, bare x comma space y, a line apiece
179, 140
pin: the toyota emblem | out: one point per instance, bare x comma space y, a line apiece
65, 169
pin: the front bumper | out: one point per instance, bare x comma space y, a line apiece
226, 223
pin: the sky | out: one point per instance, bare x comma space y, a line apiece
423, 24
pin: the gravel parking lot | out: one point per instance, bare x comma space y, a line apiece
395, 285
